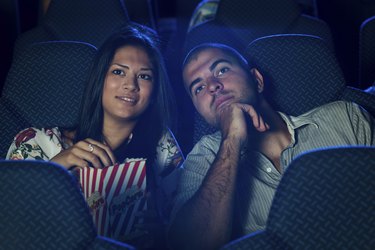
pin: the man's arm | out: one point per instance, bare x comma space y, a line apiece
205, 221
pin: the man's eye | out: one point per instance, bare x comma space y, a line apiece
118, 72
222, 71
145, 77
198, 89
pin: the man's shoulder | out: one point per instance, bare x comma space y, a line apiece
209, 142
335, 107
213, 138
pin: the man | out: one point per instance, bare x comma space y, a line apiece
230, 177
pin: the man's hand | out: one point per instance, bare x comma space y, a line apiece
86, 153
258, 121
232, 121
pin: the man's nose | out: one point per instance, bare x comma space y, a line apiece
214, 86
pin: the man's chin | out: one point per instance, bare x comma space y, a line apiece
213, 124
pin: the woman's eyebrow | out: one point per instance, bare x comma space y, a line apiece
121, 65
125, 66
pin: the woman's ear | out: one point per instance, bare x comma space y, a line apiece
259, 79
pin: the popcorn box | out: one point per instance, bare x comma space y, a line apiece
115, 194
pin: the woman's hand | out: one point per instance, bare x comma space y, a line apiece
86, 153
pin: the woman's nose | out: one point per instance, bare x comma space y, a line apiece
131, 83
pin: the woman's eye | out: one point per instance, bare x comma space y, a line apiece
118, 72
198, 89
145, 77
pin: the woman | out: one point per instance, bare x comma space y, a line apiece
125, 116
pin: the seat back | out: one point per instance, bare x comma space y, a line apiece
367, 53
345, 24
44, 87
42, 207
252, 19
143, 12
90, 21
326, 200
250, 14
300, 71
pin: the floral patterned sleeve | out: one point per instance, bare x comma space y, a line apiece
35, 144
168, 167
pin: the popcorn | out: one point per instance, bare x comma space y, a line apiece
115, 194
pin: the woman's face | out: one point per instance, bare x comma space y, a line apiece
128, 85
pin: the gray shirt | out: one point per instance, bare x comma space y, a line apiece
335, 124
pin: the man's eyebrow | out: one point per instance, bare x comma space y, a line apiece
193, 83
214, 64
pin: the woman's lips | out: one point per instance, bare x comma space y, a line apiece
127, 99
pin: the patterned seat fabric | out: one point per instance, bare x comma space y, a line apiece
44, 87
300, 71
249, 20
42, 207
88, 21
325, 200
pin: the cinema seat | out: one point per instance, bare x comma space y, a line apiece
325, 200
42, 207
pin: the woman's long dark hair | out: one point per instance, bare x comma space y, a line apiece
157, 117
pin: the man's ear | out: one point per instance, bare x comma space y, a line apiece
259, 79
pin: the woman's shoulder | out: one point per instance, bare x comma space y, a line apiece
168, 150
33, 133
167, 136
35, 140
168, 142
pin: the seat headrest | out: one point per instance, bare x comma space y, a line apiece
46, 82
89, 21
212, 32
301, 72
267, 16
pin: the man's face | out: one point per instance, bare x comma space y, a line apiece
215, 79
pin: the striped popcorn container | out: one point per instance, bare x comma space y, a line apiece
115, 194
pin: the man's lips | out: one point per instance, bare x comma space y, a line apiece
222, 100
